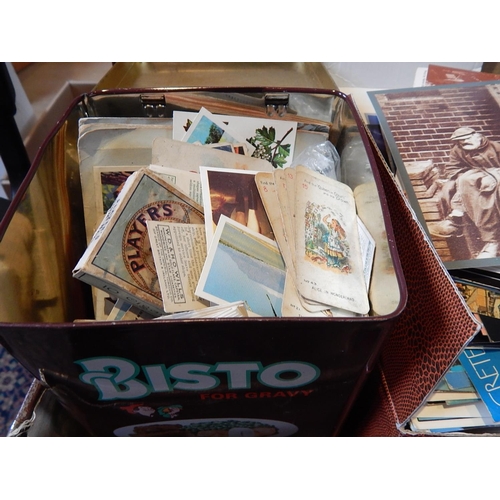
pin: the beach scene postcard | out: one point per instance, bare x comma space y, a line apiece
243, 265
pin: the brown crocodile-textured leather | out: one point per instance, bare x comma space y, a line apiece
430, 332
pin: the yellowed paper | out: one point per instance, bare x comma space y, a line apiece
329, 264
179, 252
294, 306
384, 290
187, 182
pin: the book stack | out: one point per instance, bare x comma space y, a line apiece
467, 399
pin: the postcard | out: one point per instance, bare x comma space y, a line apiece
243, 265
108, 142
329, 264
179, 252
274, 140
208, 128
232, 193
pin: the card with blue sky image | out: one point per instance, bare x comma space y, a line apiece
270, 139
243, 265
208, 128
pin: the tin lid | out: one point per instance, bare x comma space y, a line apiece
218, 74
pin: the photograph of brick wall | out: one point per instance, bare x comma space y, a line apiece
445, 143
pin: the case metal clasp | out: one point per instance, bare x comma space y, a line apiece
276, 104
154, 105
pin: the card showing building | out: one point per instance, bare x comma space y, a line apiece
444, 141
232, 193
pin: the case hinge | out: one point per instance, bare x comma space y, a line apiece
155, 105
276, 104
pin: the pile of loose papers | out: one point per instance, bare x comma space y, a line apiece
217, 220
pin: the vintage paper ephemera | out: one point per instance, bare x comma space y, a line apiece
123, 311
274, 139
243, 265
293, 303
208, 128
118, 259
179, 252
109, 149
232, 193
232, 310
329, 265
384, 292
184, 156
187, 182
367, 247
280, 177
266, 186
294, 306
108, 142
109, 180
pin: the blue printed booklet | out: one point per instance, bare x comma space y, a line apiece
482, 365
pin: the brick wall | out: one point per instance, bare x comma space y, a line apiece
423, 121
